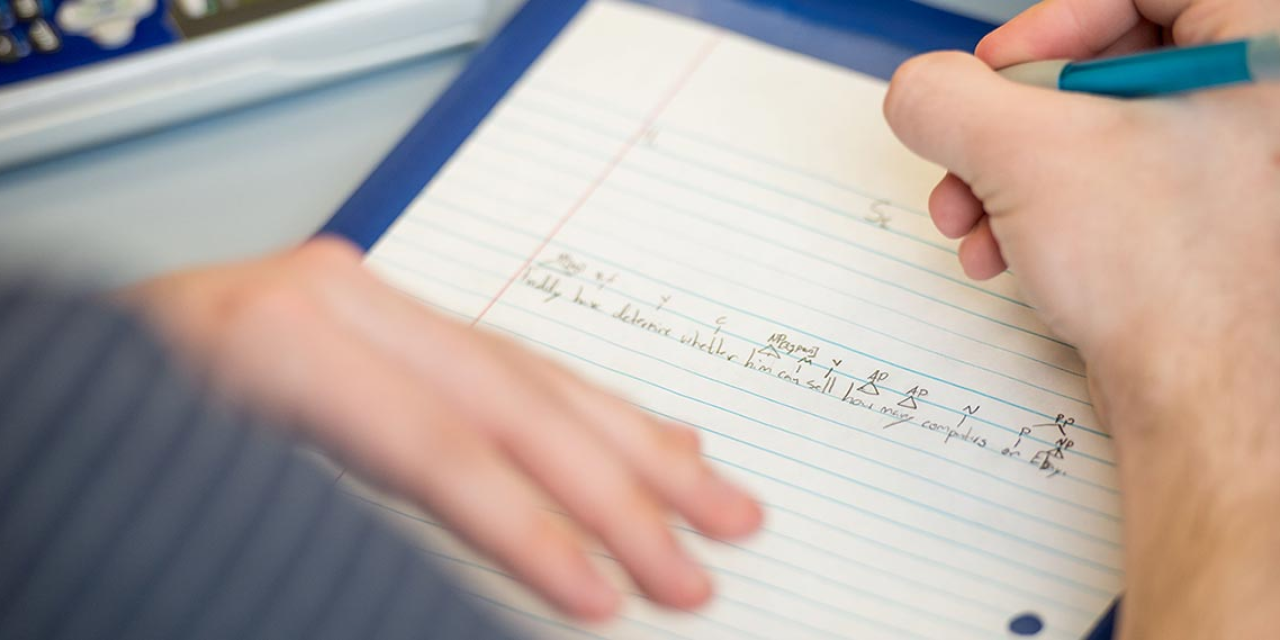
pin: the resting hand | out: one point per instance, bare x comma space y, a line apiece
470, 426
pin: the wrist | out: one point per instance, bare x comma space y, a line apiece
1198, 449
1205, 384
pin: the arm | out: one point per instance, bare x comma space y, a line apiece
1146, 234
134, 506
1200, 473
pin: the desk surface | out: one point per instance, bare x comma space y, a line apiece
228, 187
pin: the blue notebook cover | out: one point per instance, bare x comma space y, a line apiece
870, 36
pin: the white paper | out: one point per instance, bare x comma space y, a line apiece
727, 234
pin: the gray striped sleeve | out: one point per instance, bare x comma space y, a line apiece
133, 506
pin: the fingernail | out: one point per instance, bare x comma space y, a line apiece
739, 509
688, 436
693, 585
596, 600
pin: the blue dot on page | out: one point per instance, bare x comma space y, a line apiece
1026, 624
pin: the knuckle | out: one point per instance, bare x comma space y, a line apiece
919, 104
914, 80
900, 86
617, 507
910, 72
326, 254
269, 303
455, 454
677, 443
530, 418
538, 529
635, 503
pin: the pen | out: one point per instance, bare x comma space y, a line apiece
1160, 72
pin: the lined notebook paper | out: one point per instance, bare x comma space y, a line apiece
727, 234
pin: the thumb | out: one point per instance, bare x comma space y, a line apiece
952, 109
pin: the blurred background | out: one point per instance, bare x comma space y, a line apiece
238, 183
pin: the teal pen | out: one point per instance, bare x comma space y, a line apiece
1159, 72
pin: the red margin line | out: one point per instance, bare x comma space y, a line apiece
613, 165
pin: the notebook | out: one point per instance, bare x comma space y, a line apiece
698, 205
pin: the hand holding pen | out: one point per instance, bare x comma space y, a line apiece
1145, 232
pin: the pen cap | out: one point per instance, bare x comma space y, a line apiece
1043, 73
1264, 58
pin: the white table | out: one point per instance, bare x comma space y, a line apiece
233, 186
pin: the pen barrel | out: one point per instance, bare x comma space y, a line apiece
1161, 72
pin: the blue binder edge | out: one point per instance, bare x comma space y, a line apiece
872, 36
1105, 629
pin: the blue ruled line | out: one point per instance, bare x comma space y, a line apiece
981, 499
477, 215
928, 534
496, 168
1045, 548
1088, 615
946, 514
740, 231
826, 498
567, 118
581, 99
544, 112
870, 432
719, 623
584, 223
554, 166
707, 247
978, 577
944, 408
840, 583
540, 619
745, 206
1030, 437
828, 553
493, 571
842, 611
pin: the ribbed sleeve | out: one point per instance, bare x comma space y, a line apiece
134, 506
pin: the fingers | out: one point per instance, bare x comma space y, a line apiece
1081, 29
685, 437
1073, 29
496, 509
959, 214
666, 456
607, 498
572, 458
980, 253
588, 465
1142, 37
576, 459
377, 415
1204, 22
954, 208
